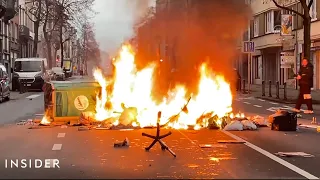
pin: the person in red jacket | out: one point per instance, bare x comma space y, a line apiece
305, 77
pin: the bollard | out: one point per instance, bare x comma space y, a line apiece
270, 89
284, 91
20, 86
244, 86
277, 90
263, 89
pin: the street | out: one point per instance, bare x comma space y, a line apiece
90, 154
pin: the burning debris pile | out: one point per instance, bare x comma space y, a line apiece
125, 101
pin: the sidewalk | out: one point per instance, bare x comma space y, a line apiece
292, 94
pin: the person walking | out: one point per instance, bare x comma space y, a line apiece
305, 77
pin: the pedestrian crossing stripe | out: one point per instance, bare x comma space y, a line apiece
33, 96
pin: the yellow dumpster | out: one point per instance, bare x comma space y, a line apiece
66, 100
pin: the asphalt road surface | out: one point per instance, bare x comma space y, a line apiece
90, 154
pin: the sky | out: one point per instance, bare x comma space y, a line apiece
114, 21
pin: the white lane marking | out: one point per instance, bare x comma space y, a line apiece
309, 126
261, 100
237, 99
56, 147
257, 106
273, 157
287, 106
33, 96
61, 135
273, 103
246, 103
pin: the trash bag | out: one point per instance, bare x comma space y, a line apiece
248, 125
234, 126
128, 116
259, 120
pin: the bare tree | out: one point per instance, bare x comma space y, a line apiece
36, 16
90, 44
306, 21
59, 15
69, 12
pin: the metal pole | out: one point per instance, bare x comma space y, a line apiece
277, 90
297, 50
249, 71
263, 88
244, 86
270, 94
285, 91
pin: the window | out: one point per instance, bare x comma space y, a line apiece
269, 21
27, 66
256, 27
273, 21
313, 10
277, 20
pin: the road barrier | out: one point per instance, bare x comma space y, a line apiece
277, 90
263, 89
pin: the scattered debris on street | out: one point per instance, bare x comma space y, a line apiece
212, 146
231, 141
125, 143
283, 120
293, 154
84, 128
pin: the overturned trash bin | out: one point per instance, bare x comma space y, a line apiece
64, 101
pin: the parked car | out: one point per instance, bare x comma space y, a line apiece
4, 84
58, 74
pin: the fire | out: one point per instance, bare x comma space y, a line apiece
45, 120
133, 88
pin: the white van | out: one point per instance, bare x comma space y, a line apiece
32, 70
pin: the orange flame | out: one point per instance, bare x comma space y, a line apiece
133, 88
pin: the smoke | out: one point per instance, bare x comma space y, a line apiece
208, 31
138, 8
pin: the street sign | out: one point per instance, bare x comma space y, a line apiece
248, 47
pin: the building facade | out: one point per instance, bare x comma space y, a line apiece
26, 30
8, 13
265, 63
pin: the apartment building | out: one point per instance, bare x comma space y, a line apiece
8, 11
264, 31
26, 29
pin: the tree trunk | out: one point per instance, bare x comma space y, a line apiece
307, 38
48, 44
46, 35
36, 38
61, 45
36, 30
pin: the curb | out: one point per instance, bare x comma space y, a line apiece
284, 101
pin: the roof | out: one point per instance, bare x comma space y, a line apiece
66, 85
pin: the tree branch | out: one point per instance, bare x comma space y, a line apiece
288, 9
310, 4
